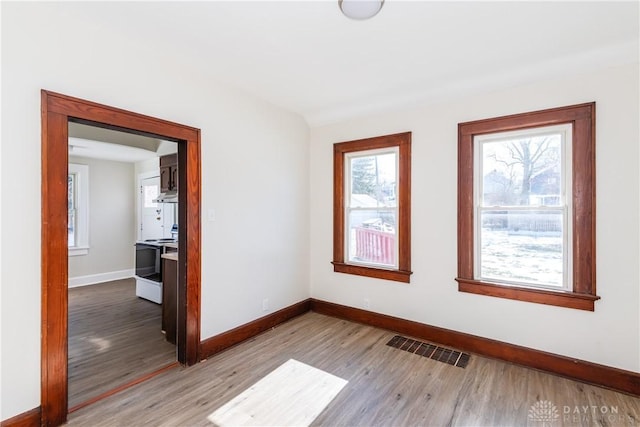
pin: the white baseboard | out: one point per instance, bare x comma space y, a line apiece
93, 279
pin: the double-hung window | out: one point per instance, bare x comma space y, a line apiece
78, 209
522, 226
526, 192
372, 207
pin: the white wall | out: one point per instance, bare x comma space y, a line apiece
112, 220
151, 165
269, 230
610, 335
254, 174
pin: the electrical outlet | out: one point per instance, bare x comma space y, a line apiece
211, 215
265, 304
367, 303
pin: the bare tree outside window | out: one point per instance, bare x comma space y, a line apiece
521, 214
524, 233
517, 169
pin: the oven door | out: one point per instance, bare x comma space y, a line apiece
148, 262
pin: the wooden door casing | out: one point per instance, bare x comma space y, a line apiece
57, 111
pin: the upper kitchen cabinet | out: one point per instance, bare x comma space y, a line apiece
169, 173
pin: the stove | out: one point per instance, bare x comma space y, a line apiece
149, 268
156, 242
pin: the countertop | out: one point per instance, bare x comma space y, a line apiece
173, 256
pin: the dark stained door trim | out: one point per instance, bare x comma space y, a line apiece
57, 111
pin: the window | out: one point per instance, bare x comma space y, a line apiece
372, 212
521, 221
151, 193
78, 209
526, 191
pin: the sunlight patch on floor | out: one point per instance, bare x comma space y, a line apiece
100, 343
294, 394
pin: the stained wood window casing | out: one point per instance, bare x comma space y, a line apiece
403, 230
582, 290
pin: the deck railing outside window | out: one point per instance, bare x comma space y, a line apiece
375, 246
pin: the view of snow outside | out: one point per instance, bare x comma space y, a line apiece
521, 258
521, 212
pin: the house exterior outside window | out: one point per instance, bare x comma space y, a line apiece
526, 207
521, 224
372, 207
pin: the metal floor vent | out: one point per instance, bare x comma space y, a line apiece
441, 354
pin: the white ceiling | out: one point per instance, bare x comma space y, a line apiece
91, 148
307, 57
107, 144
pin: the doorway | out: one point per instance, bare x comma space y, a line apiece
57, 111
116, 333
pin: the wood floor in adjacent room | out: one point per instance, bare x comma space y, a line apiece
114, 338
386, 386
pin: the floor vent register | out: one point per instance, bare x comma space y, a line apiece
432, 351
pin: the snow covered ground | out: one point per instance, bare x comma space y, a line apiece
522, 258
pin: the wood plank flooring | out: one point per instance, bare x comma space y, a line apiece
292, 395
114, 338
387, 386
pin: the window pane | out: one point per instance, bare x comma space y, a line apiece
522, 247
372, 237
71, 180
150, 194
373, 180
71, 218
71, 235
372, 209
522, 172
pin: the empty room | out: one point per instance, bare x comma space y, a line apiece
330, 213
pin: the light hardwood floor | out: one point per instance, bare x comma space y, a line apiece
114, 338
387, 386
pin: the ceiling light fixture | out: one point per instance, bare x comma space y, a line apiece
360, 9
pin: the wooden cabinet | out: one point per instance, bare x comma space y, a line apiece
170, 295
169, 173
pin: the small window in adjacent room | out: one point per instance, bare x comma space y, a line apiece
372, 207
526, 224
78, 209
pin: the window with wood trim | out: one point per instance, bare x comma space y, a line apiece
78, 209
372, 207
526, 207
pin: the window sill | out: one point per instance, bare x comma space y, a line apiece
539, 296
77, 251
378, 273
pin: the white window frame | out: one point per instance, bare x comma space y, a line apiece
81, 190
348, 209
140, 197
565, 208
